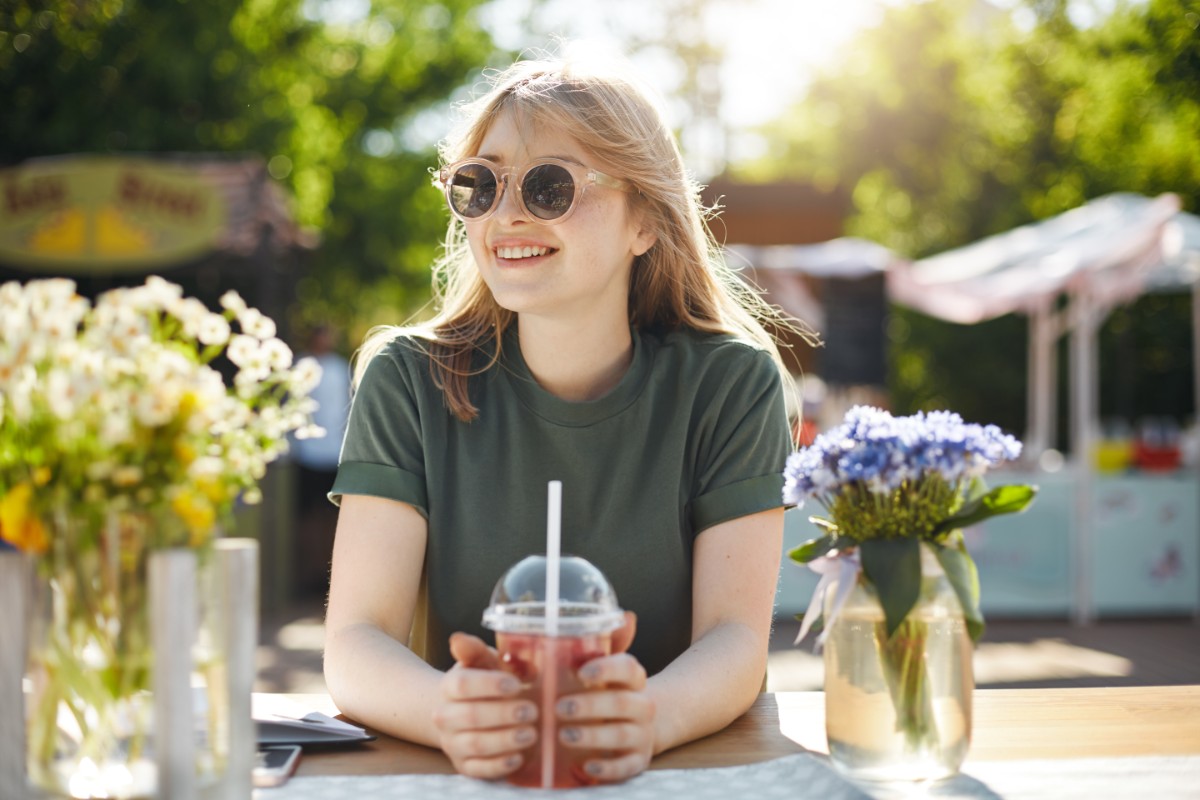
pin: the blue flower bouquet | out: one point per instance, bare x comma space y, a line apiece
890, 485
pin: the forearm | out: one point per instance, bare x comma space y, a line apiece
379, 682
711, 684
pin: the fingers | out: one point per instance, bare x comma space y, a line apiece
471, 651
618, 769
488, 745
636, 707
464, 716
623, 636
614, 736
477, 674
489, 768
621, 670
480, 730
478, 684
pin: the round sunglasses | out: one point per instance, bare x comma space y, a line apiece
548, 189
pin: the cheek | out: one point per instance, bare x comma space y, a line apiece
476, 241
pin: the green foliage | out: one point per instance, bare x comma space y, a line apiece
813, 549
963, 575
947, 123
326, 103
1008, 499
893, 566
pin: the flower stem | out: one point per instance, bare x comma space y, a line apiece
902, 658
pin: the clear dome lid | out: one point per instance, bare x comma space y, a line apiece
587, 603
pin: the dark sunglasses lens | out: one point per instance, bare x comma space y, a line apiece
472, 190
548, 191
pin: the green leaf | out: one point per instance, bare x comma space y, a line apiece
964, 577
1001, 500
812, 549
894, 567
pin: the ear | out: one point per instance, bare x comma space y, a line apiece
644, 237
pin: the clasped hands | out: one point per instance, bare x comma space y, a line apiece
483, 725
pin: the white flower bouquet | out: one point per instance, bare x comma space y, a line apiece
119, 436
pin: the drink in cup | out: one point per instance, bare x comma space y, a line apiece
547, 665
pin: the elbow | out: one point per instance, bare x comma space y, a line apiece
338, 669
331, 667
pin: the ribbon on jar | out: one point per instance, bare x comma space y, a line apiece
838, 574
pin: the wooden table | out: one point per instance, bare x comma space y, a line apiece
1009, 724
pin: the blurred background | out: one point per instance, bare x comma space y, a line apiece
283, 148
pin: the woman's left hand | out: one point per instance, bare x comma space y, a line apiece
614, 714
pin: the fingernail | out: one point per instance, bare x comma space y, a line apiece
567, 708
569, 735
526, 713
513, 761
525, 736
509, 685
593, 769
590, 672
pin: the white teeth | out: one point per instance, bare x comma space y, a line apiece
521, 252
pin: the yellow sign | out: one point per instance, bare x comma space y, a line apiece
110, 214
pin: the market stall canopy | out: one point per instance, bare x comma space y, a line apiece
780, 270
1180, 267
835, 287
86, 213
1109, 248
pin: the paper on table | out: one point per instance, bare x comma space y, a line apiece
279, 724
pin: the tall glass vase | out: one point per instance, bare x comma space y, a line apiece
90, 705
899, 708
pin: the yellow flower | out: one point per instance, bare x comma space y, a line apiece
188, 403
18, 525
197, 514
42, 476
212, 489
185, 453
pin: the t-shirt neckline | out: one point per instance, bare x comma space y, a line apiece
568, 412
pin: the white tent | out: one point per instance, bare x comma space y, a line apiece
1099, 255
779, 269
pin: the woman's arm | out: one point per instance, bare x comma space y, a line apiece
735, 575
372, 676
469, 712
735, 571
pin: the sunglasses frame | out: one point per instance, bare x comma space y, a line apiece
581, 175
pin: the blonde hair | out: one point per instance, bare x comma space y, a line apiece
682, 281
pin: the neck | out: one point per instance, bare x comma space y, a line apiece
576, 360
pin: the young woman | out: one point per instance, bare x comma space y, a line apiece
587, 331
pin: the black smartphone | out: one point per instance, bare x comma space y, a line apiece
274, 765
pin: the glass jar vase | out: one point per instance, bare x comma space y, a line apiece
90, 671
899, 708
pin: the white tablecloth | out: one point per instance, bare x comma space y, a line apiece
796, 777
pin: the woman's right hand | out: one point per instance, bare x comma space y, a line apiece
482, 724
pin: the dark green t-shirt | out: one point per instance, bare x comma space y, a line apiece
694, 434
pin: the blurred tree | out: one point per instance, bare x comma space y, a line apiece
334, 94
950, 123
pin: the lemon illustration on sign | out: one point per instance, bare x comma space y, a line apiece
116, 235
64, 232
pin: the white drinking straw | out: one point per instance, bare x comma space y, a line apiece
553, 555
549, 660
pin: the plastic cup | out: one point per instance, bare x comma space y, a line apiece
547, 665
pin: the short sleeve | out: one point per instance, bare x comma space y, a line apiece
746, 442
383, 452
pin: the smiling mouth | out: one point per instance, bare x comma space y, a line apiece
518, 253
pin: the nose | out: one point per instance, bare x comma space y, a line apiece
508, 208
